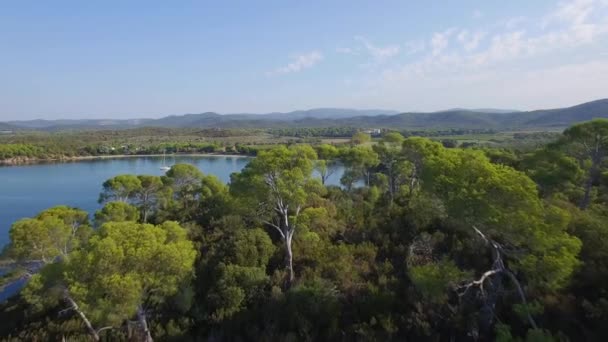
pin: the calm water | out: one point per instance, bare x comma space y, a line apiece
27, 190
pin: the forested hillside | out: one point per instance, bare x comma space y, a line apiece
420, 242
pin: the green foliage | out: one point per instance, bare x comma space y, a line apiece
116, 212
327, 152
120, 188
552, 171
120, 269
277, 174
150, 195
539, 335
434, 279
53, 234
311, 311
360, 162
588, 141
185, 182
236, 287
393, 138
251, 248
504, 204
8, 151
360, 138
386, 257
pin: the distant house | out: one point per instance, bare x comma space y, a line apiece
373, 131
6, 132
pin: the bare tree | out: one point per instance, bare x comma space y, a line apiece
494, 277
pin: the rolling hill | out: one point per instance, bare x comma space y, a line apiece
331, 117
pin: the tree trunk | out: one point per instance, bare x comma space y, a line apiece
391, 183
141, 317
596, 160
84, 318
588, 185
497, 272
587, 197
289, 256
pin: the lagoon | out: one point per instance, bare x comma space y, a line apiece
28, 189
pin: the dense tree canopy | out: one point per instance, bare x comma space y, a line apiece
422, 241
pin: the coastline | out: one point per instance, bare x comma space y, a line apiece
32, 161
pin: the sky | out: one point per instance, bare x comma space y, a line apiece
134, 59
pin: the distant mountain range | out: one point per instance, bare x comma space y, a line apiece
498, 119
483, 110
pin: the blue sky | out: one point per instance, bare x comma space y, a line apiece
117, 59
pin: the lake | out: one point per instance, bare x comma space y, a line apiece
26, 190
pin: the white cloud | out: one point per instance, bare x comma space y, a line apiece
507, 64
301, 62
470, 40
477, 14
574, 12
345, 50
414, 47
569, 26
585, 19
378, 53
505, 87
502, 47
440, 41
514, 22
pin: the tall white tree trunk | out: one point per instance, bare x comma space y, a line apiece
289, 257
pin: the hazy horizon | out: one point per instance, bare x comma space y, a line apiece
161, 115
74, 60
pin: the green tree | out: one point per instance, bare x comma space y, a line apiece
503, 203
415, 150
589, 141
185, 183
280, 181
214, 200
116, 212
392, 162
232, 276
49, 241
149, 195
501, 208
327, 164
552, 170
51, 235
120, 188
127, 267
360, 138
360, 162
393, 138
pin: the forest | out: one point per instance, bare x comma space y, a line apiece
422, 241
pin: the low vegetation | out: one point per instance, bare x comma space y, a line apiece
22, 147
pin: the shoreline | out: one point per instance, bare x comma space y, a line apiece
32, 161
